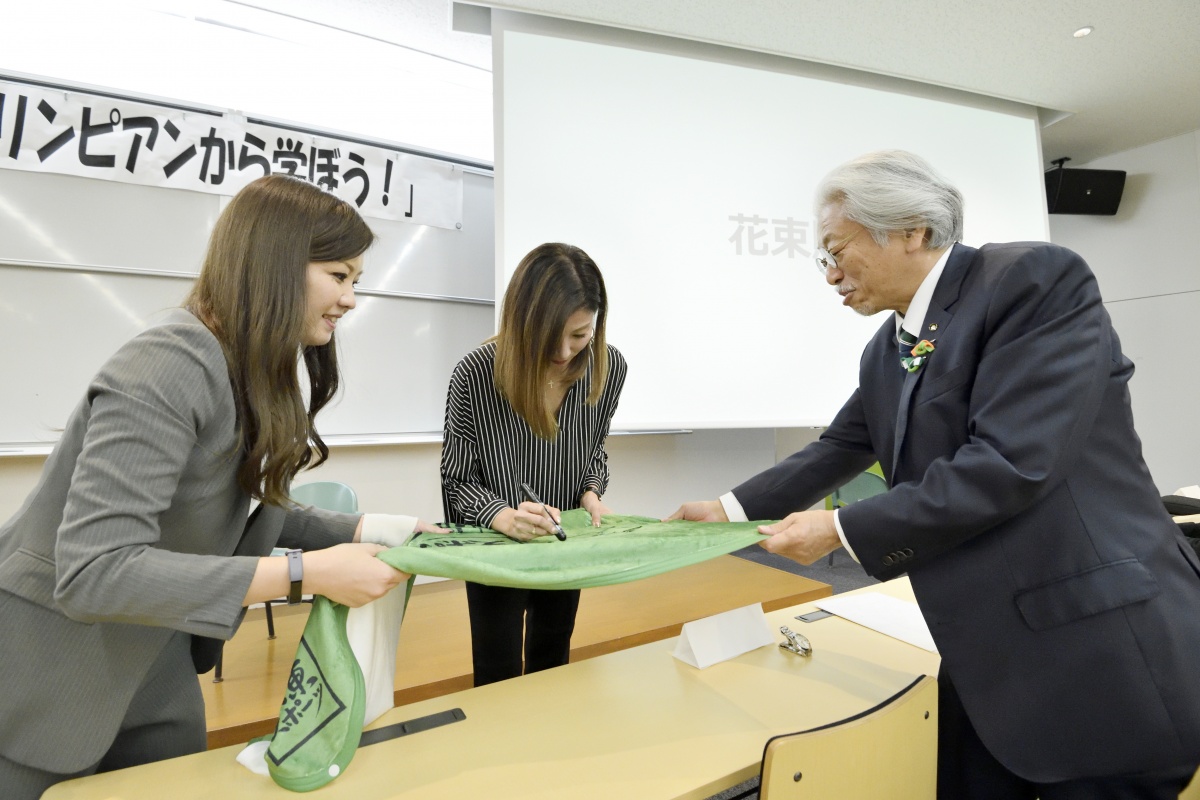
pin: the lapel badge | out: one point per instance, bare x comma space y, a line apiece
933, 326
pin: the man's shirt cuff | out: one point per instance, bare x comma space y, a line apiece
733, 509
837, 523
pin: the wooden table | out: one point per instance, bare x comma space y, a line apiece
634, 723
434, 658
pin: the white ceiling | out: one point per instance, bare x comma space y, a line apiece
1134, 81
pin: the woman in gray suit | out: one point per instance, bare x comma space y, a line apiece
136, 538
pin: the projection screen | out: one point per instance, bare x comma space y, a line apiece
687, 172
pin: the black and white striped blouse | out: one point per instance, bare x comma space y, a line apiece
489, 450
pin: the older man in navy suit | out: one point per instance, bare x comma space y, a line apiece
1062, 597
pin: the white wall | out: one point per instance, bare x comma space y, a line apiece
1147, 260
651, 474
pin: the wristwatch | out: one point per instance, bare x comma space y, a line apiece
296, 576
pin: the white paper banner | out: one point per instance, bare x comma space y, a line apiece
47, 130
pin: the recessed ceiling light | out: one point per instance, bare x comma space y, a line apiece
1082, 32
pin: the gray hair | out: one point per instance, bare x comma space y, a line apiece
894, 190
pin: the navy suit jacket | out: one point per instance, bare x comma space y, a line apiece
1062, 597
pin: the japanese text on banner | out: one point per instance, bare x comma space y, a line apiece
43, 130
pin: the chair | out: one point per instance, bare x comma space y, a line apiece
860, 487
1192, 791
329, 495
899, 735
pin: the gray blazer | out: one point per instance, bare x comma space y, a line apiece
1062, 597
128, 537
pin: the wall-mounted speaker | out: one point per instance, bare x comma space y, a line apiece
1084, 191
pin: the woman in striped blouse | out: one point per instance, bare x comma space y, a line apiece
533, 405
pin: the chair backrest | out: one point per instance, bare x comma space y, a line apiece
860, 487
900, 736
1192, 792
330, 495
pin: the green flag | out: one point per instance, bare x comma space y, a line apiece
622, 549
321, 720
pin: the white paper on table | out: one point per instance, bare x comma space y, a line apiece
900, 619
707, 641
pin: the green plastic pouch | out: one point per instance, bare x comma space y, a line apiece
321, 719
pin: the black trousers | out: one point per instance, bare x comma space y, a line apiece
507, 624
967, 771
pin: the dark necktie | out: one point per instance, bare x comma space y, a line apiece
907, 343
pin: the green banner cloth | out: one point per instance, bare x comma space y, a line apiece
321, 719
622, 549
320, 722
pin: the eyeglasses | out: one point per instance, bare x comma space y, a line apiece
826, 260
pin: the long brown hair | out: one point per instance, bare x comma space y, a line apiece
252, 294
551, 283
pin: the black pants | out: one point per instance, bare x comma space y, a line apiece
967, 771
509, 623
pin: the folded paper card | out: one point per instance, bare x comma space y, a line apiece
721, 637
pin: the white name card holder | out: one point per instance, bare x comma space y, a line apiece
708, 641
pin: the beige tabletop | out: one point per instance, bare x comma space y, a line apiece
434, 657
635, 723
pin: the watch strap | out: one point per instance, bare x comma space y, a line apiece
296, 576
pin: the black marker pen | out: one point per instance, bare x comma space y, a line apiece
558, 531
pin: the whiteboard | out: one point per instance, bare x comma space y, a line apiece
87, 264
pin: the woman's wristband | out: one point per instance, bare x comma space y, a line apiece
295, 576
